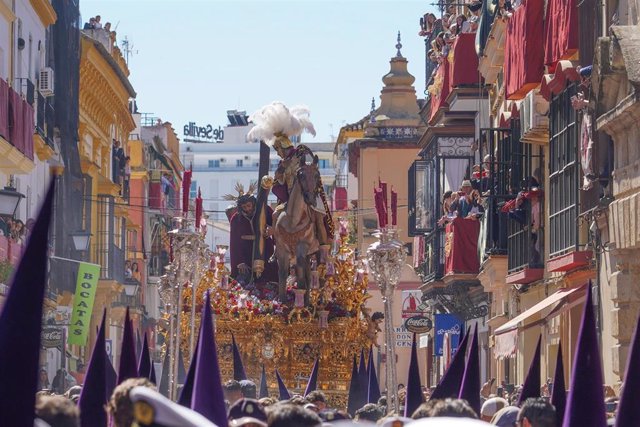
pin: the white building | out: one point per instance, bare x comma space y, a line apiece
218, 166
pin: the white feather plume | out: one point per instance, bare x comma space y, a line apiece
277, 118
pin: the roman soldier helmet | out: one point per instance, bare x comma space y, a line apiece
276, 123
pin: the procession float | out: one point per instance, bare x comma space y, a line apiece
296, 291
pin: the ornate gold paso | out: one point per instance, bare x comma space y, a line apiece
333, 327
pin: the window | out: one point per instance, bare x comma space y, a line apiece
323, 164
214, 163
239, 163
193, 190
563, 174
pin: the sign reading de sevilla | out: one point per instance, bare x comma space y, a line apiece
418, 324
83, 300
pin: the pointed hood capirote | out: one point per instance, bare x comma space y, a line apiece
312, 384
531, 386
354, 400
628, 407
414, 397
93, 396
559, 391
282, 388
128, 367
451, 381
585, 403
373, 393
264, 388
238, 367
144, 361
208, 395
21, 324
470, 387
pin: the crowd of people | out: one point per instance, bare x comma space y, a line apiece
244, 408
96, 24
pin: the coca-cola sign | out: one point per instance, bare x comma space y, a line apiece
418, 324
51, 337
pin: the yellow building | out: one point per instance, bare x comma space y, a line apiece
106, 121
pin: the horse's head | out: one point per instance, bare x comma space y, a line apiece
309, 179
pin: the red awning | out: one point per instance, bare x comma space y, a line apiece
553, 84
524, 49
561, 31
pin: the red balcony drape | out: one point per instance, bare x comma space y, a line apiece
155, 195
441, 87
340, 199
4, 109
461, 247
524, 49
464, 65
561, 31
28, 129
16, 128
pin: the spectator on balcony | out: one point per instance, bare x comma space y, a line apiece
427, 24
127, 175
476, 10
107, 27
135, 271
448, 213
477, 209
5, 226
117, 157
17, 231
91, 25
445, 21
98, 25
128, 274
464, 202
463, 25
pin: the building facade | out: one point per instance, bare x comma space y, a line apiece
541, 127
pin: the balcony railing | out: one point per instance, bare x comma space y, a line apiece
45, 119
432, 268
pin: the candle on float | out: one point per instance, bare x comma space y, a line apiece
385, 200
186, 188
198, 209
394, 207
315, 279
379, 203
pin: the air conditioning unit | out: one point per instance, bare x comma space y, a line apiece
534, 118
246, 157
46, 81
222, 160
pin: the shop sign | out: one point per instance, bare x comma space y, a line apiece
418, 324
51, 337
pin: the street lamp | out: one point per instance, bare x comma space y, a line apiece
81, 240
9, 201
386, 258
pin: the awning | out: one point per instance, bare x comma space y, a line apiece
506, 336
557, 299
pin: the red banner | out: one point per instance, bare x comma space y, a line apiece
461, 247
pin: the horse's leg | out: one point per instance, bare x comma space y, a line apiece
283, 272
302, 269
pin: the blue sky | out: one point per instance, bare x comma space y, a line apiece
194, 60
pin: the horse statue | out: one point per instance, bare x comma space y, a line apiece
295, 228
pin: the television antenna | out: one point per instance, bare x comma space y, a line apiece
128, 49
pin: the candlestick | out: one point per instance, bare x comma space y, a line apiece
323, 319
394, 207
186, 188
299, 298
315, 279
198, 210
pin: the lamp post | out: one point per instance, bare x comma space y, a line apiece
386, 258
9, 201
81, 240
